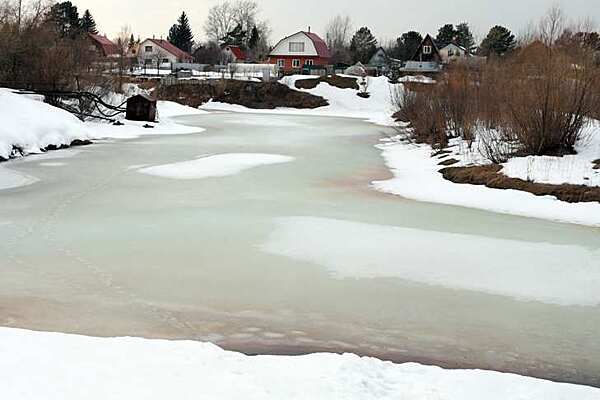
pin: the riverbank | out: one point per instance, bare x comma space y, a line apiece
65, 367
419, 175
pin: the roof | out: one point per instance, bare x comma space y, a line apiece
427, 38
142, 96
169, 47
421, 66
107, 46
467, 51
237, 52
320, 45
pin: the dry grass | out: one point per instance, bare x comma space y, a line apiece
341, 82
490, 176
257, 95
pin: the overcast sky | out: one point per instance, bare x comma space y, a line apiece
387, 19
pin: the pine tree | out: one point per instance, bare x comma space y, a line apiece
237, 37
180, 34
499, 41
131, 43
65, 18
87, 23
445, 36
407, 45
464, 37
363, 45
254, 38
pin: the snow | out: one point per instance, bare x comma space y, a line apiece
167, 110
417, 177
54, 366
342, 102
215, 165
493, 266
31, 125
574, 169
53, 126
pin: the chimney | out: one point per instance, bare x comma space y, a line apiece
309, 29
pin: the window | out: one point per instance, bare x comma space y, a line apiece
450, 52
281, 63
426, 49
148, 49
309, 62
165, 60
296, 47
295, 63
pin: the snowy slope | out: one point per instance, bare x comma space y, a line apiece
417, 177
342, 102
574, 169
52, 366
31, 125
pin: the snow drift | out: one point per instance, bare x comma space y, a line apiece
53, 366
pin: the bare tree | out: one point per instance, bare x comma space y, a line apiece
338, 32
223, 18
551, 26
122, 42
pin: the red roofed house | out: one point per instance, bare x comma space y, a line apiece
234, 54
298, 50
103, 47
162, 51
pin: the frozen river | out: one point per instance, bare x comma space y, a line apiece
263, 235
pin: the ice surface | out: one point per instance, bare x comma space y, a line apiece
561, 274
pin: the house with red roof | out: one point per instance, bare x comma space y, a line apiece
300, 49
103, 46
160, 51
233, 54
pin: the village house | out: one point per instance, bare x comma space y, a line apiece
454, 52
426, 60
102, 47
233, 54
160, 51
299, 50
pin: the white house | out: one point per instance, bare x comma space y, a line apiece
454, 52
159, 51
300, 49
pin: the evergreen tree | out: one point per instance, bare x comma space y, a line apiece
131, 43
65, 18
254, 38
87, 23
236, 37
499, 41
180, 34
445, 36
464, 37
407, 45
363, 45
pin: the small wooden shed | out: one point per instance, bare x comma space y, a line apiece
141, 107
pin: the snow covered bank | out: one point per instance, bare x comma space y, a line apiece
574, 169
493, 266
30, 125
417, 177
342, 102
167, 110
52, 366
215, 165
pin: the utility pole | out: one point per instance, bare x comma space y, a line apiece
19, 16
